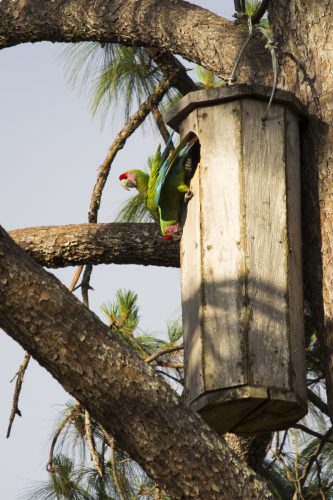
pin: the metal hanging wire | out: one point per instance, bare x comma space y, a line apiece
240, 8
270, 45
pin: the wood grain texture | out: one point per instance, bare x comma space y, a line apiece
295, 281
212, 97
265, 247
191, 290
222, 259
243, 315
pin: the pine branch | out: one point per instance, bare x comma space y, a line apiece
91, 444
61, 426
167, 62
164, 351
160, 124
318, 402
323, 440
135, 121
112, 445
305, 429
118, 389
81, 244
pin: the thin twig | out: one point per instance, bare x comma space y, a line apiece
161, 125
324, 439
166, 350
112, 444
115, 474
134, 122
17, 391
161, 372
75, 279
85, 285
103, 172
282, 442
318, 402
315, 380
303, 428
91, 444
260, 12
61, 426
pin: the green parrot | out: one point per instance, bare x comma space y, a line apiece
163, 189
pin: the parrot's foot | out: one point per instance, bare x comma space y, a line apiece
177, 236
188, 196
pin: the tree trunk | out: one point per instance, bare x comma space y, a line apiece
142, 412
304, 33
115, 243
303, 30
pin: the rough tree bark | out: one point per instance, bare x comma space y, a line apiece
170, 26
125, 395
304, 34
115, 243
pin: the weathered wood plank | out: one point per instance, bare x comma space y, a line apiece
190, 256
249, 409
295, 288
211, 97
222, 260
273, 414
266, 245
224, 410
241, 268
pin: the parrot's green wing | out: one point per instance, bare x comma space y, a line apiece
155, 165
172, 165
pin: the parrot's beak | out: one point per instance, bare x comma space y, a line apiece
124, 184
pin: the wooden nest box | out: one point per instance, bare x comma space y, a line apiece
241, 266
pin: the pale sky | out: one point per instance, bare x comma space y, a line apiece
50, 151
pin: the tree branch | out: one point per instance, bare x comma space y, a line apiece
123, 394
114, 243
318, 402
165, 25
91, 444
65, 421
169, 63
161, 352
135, 121
113, 462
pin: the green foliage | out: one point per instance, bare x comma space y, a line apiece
63, 483
113, 74
70, 477
298, 465
134, 210
122, 314
251, 6
208, 79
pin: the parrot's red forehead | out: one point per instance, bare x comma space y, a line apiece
123, 176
